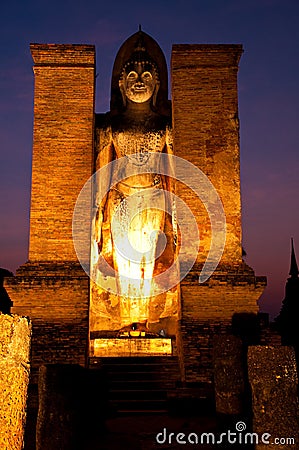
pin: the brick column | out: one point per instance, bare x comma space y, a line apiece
206, 133
62, 145
52, 288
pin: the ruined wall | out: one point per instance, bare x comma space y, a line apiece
56, 298
52, 288
206, 133
225, 293
15, 335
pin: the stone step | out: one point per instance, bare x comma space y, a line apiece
144, 385
132, 360
151, 364
142, 412
139, 405
141, 367
137, 394
139, 384
139, 376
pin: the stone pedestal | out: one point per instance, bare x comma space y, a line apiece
274, 384
131, 347
15, 335
229, 375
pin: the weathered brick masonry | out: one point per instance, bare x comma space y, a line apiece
62, 145
206, 133
51, 287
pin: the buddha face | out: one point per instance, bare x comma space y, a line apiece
139, 83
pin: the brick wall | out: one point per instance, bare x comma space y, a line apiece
55, 297
210, 309
206, 133
52, 288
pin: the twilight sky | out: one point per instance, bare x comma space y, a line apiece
268, 105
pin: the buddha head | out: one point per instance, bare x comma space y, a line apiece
139, 75
139, 80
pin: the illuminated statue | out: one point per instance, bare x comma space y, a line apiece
132, 231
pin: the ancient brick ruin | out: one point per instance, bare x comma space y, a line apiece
55, 291
51, 288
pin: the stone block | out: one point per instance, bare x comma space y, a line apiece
15, 338
274, 384
72, 406
229, 376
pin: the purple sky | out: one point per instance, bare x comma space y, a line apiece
268, 103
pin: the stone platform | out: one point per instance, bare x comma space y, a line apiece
131, 346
